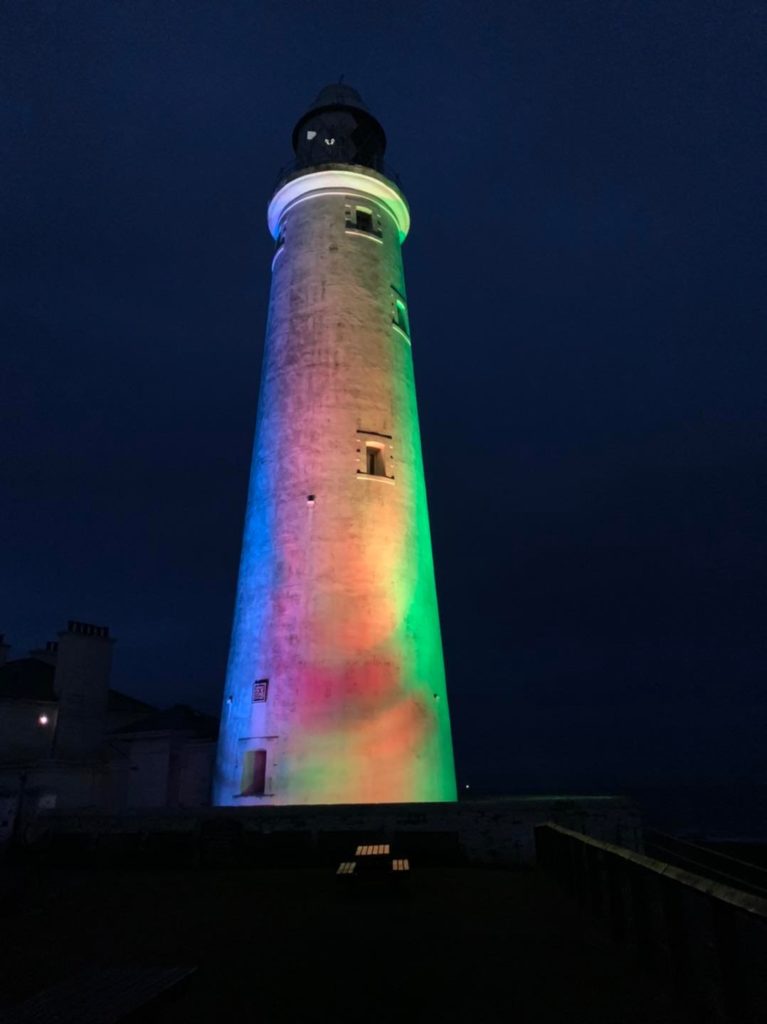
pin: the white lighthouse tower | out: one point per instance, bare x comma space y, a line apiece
335, 690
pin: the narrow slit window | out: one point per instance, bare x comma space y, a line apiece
374, 460
400, 316
253, 773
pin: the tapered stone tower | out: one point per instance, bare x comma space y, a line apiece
335, 689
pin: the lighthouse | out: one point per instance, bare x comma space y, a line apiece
335, 688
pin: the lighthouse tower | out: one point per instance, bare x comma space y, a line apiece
335, 689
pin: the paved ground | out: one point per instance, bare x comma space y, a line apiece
274, 946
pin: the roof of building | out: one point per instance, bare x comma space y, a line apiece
32, 679
27, 679
179, 718
122, 702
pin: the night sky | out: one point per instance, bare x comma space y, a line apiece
586, 276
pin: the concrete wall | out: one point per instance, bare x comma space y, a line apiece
493, 832
191, 781
50, 785
161, 771
147, 779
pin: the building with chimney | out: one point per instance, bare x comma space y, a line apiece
68, 740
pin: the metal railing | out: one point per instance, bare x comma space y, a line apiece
702, 860
708, 940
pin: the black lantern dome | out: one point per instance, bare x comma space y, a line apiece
339, 129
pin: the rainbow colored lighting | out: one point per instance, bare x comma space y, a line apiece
336, 602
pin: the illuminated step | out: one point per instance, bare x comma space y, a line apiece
379, 850
401, 864
346, 867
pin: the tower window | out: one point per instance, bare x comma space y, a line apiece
253, 773
374, 459
360, 218
260, 690
364, 220
399, 317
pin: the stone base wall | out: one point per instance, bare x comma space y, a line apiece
498, 832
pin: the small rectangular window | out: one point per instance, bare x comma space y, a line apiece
374, 459
260, 690
253, 773
375, 456
364, 220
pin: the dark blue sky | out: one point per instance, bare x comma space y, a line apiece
586, 276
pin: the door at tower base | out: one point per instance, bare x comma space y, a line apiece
335, 689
